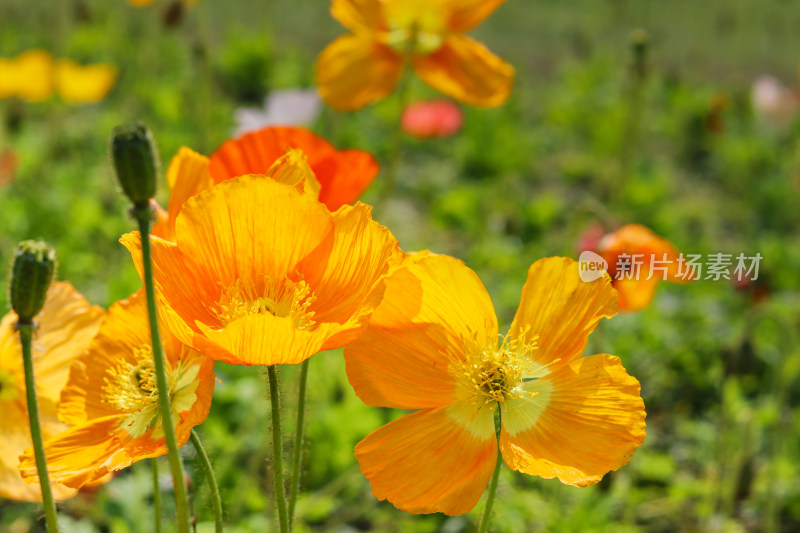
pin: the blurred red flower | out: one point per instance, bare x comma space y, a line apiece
432, 118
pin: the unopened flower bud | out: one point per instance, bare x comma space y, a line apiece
31, 274
135, 157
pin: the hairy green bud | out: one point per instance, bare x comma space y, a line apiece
136, 162
31, 273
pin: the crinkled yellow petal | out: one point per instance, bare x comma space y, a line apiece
187, 175
467, 14
358, 15
561, 309
356, 70
83, 84
292, 169
577, 424
433, 305
437, 460
466, 70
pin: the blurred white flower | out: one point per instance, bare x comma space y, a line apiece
773, 103
286, 107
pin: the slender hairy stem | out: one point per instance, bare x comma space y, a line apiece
487, 510
143, 215
26, 338
297, 458
210, 479
277, 453
156, 494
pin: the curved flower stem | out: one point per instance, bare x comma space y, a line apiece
156, 494
26, 339
397, 142
143, 215
297, 458
277, 453
487, 509
210, 479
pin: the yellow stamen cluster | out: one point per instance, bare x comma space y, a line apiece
132, 387
414, 28
279, 297
495, 375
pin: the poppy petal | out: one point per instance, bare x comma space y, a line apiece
635, 294
437, 460
466, 70
467, 14
561, 309
355, 71
83, 84
585, 419
358, 15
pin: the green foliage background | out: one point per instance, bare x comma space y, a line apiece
585, 137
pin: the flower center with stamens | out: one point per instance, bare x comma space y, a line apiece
278, 297
132, 389
493, 375
8, 386
414, 27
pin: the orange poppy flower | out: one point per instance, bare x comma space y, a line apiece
432, 346
111, 400
67, 324
343, 175
364, 67
261, 273
637, 284
83, 84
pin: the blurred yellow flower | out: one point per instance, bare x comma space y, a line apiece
28, 76
364, 67
67, 324
83, 84
433, 346
111, 400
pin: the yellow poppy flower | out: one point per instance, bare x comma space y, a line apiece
28, 76
261, 273
111, 400
83, 84
432, 346
636, 291
364, 67
67, 324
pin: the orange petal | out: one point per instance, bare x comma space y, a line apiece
635, 239
83, 84
467, 14
431, 461
586, 419
466, 70
187, 175
561, 309
433, 304
355, 71
342, 174
358, 15
635, 295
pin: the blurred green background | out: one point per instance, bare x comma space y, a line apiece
592, 133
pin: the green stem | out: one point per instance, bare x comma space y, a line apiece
143, 215
210, 479
277, 453
297, 458
487, 509
26, 339
156, 494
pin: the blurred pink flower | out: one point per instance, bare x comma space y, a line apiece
432, 118
773, 103
287, 107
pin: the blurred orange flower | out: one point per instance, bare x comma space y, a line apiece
111, 400
343, 175
636, 290
364, 67
432, 118
432, 346
67, 324
261, 273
